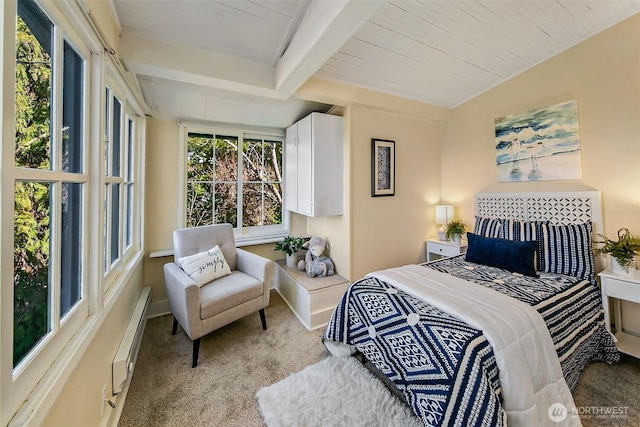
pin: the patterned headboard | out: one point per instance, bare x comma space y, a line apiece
558, 207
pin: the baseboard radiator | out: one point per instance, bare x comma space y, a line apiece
126, 356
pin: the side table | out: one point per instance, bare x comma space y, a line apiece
620, 287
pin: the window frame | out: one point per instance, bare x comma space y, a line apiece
244, 235
29, 371
111, 270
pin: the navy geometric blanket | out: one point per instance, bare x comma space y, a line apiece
445, 369
570, 307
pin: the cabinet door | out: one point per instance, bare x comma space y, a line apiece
305, 167
291, 169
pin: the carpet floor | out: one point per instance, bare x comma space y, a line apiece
239, 359
235, 361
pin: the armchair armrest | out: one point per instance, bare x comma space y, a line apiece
184, 299
257, 266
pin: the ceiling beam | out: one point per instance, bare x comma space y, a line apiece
325, 28
195, 66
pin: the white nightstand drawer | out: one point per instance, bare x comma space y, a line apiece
624, 290
444, 250
439, 249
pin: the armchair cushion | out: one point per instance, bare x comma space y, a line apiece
227, 292
205, 267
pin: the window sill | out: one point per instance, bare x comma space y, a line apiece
241, 240
259, 239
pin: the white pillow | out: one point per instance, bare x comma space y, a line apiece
191, 258
205, 267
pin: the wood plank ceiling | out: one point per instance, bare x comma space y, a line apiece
194, 59
446, 52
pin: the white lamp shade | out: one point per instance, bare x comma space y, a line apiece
444, 214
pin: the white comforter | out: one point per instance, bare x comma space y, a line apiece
530, 374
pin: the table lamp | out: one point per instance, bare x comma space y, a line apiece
444, 214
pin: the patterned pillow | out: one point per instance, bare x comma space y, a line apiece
487, 227
205, 267
525, 231
568, 249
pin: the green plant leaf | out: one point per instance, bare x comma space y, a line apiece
624, 250
289, 245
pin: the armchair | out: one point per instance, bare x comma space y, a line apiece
200, 310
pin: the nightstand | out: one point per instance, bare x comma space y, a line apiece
439, 249
620, 287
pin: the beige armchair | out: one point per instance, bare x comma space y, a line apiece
200, 310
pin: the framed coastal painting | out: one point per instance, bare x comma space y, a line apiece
383, 167
541, 144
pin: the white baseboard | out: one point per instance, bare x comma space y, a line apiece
158, 308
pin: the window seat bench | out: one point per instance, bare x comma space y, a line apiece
312, 299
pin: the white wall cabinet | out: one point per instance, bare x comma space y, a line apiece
314, 166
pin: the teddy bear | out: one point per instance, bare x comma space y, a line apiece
316, 264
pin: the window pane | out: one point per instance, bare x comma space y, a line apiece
252, 169
199, 157
199, 204
71, 247
72, 93
30, 266
34, 78
107, 125
115, 137
115, 222
272, 161
129, 174
260, 176
226, 159
272, 203
226, 207
251, 205
105, 228
129, 220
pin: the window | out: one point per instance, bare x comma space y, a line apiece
61, 185
113, 179
49, 223
119, 183
129, 185
234, 177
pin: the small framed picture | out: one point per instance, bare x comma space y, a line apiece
383, 167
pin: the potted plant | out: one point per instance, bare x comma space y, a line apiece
455, 230
290, 245
623, 251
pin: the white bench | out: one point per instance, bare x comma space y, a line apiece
312, 299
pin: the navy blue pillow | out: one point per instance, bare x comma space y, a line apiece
511, 255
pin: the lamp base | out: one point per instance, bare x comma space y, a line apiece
442, 233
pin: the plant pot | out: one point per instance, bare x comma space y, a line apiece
617, 268
292, 261
456, 239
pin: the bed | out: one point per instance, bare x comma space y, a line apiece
499, 335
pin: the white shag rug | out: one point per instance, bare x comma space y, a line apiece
334, 392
